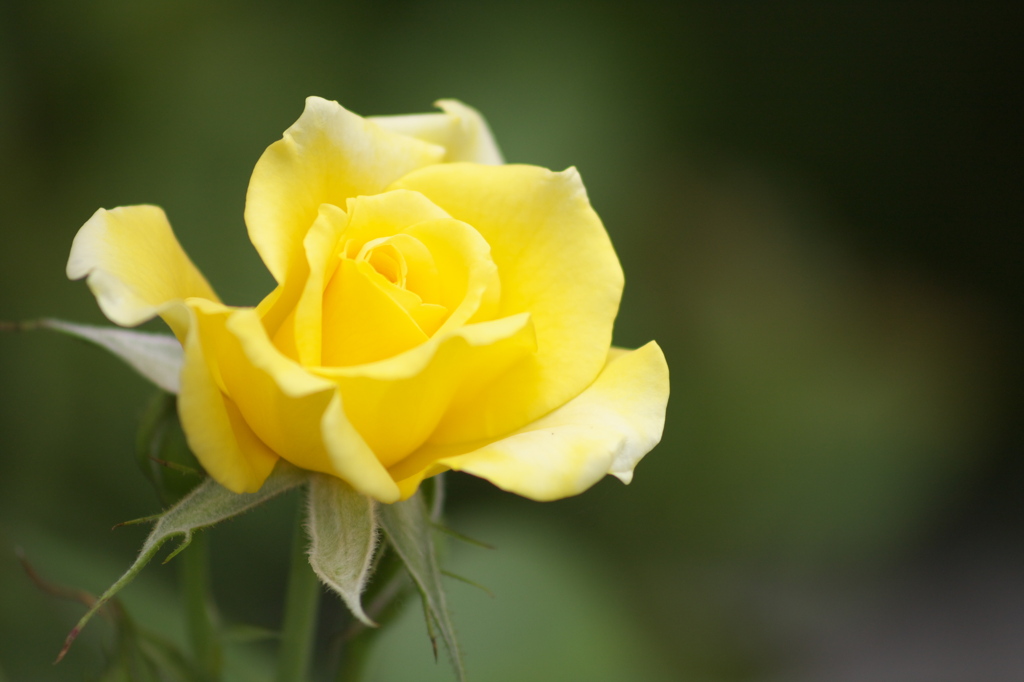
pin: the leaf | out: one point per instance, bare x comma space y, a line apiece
158, 357
408, 528
208, 504
342, 529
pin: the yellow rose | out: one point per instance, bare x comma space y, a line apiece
435, 310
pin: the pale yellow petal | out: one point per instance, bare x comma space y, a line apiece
300, 416
555, 261
461, 130
328, 156
135, 266
216, 431
607, 429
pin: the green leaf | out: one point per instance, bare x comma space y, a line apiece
157, 357
208, 504
408, 528
342, 531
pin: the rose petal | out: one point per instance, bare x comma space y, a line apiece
464, 278
296, 413
461, 130
135, 266
451, 263
326, 157
293, 313
362, 323
396, 414
555, 261
216, 431
606, 429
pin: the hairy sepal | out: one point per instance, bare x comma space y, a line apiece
157, 357
342, 528
408, 528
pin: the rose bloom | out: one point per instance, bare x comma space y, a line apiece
434, 309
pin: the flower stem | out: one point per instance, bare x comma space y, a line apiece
194, 574
302, 602
354, 656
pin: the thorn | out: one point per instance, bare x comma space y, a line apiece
459, 536
466, 580
174, 466
428, 613
180, 548
144, 519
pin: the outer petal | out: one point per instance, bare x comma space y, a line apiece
461, 130
135, 266
327, 156
606, 429
217, 433
555, 261
297, 414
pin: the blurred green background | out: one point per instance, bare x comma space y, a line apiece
818, 208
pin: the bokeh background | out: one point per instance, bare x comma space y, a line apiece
818, 207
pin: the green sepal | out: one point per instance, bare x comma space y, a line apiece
440, 527
157, 357
208, 504
464, 579
342, 529
408, 528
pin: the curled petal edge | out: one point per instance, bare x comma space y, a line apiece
606, 429
134, 265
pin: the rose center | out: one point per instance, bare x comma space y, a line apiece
387, 259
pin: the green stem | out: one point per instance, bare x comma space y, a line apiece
302, 602
194, 573
354, 656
